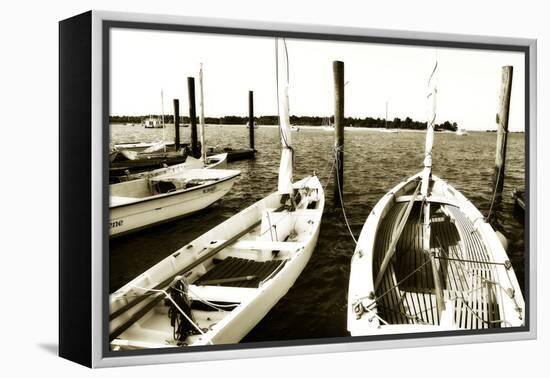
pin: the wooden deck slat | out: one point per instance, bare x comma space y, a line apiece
238, 267
415, 294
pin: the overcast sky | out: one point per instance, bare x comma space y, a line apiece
144, 62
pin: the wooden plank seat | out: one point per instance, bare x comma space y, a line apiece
234, 267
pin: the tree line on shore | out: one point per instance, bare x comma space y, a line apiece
367, 122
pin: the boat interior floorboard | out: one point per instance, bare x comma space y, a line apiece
244, 272
406, 294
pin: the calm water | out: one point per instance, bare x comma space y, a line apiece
374, 163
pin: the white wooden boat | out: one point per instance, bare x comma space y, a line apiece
253, 259
218, 287
427, 260
478, 284
218, 161
147, 201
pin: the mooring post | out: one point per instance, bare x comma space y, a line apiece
177, 123
502, 131
193, 117
251, 118
338, 70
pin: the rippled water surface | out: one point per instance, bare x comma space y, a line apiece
374, 163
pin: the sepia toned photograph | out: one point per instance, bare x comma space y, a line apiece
284, 189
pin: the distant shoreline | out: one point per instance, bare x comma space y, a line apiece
347, 128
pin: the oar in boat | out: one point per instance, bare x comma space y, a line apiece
166, 283
391, 248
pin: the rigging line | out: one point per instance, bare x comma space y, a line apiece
330, 175
398, 283
179, 309
413, 317
342, 199
370, 311
483, 279
470, 261
494, 194
218, 307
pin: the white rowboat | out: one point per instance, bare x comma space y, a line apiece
147, 201
257, 256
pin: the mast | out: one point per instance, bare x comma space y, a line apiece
162, 117
432, 93
287, 153
426, 176
203, 144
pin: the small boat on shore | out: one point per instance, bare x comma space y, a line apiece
145, 202
427, 260
215, 289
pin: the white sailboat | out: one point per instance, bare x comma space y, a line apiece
219, 286
327, 125
427, 260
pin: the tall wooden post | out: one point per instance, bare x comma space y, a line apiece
502, 131
177, 123
193, 117
251, 118
338, 70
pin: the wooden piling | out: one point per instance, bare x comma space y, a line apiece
193, 117
502, 131
177, 123
251, 118
338, 71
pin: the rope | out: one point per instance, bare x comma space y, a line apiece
218, 307
494, 194
178, 307
336, 149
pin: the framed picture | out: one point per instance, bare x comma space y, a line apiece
232, 189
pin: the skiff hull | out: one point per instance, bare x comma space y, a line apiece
479, 285
252, 302
128, 214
